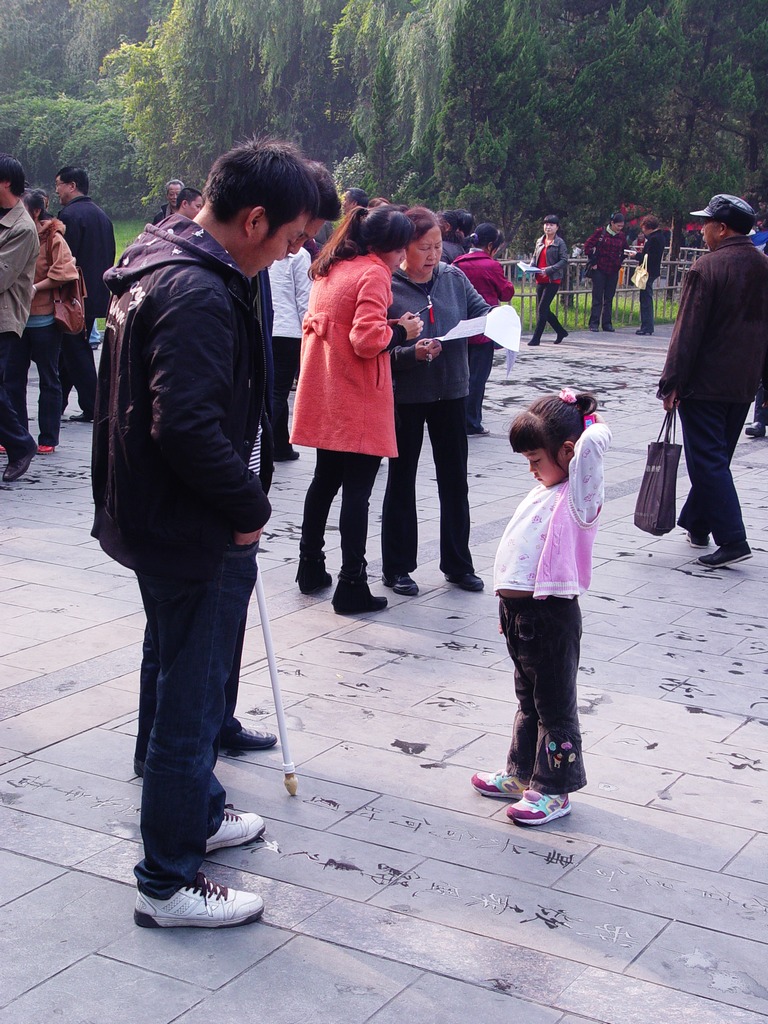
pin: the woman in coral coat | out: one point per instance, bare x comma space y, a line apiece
344, 402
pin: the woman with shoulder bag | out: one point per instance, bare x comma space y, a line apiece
41, 341
551, 256
653, 249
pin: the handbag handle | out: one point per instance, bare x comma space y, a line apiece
669, 427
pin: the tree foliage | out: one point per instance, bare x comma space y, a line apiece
510, 108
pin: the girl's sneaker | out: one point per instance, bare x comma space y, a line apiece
45, 449
539, 808
501, 785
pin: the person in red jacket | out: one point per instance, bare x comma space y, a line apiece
485, 274
606, 246
345, 406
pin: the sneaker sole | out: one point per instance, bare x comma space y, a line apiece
148, 921
542, 821
497, 795
237, 842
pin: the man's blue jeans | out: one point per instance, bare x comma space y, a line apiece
194, 628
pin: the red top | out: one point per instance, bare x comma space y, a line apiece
542, 278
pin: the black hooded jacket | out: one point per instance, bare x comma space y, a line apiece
180, 396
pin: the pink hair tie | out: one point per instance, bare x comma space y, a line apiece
567, 395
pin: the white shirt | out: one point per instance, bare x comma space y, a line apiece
289, 279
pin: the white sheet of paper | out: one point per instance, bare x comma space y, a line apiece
466, 329
528, 268
503, 326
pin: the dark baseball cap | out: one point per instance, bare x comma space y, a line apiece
729, 210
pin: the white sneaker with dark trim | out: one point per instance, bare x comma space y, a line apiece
236, 829
204, 904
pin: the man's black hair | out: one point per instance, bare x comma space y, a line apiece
187, 195
262, 172
12, 172
330, 204
77, 176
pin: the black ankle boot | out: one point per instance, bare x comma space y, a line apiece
311, 575
354, 596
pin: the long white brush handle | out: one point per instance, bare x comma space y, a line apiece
288, 766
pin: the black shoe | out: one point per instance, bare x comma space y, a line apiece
595, 330
352, 597
16, 468
697, 542
311, 575
248, 739
467, 581
81, 418
726, 555
288, 456
533, 342
641, 332
610, 330
138, 767
560, 336
401, 584
755, 430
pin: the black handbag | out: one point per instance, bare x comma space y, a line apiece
655, 510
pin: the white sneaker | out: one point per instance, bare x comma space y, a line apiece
204, 904
235, 830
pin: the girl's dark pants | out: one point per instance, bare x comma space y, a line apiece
544, 639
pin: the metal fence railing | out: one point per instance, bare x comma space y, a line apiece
574, 298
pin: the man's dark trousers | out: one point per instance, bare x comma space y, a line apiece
16, 439
711, 431
77, 369
194, 628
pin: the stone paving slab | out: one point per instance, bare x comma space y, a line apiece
391, 887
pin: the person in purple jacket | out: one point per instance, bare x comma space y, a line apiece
485, 274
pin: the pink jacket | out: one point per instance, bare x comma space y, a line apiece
344, 401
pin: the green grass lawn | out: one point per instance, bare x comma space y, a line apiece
126, 231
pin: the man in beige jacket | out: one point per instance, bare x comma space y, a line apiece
18, 254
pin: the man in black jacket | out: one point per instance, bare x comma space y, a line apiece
91, 238
181, 394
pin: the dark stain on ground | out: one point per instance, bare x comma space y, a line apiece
433, 764
410, 748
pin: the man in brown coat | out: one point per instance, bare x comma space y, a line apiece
717, 356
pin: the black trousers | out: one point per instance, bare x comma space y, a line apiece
545, 294
285, 353
77, 369
544, 642
711, 431
603, 291
355, 474
446, 424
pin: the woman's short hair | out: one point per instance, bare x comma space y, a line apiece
650, 223
552, 218
423, 220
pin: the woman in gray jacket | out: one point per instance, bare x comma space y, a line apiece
431, 382
551, 256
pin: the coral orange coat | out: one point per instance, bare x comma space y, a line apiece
344, 401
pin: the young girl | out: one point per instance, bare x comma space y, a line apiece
543, 563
